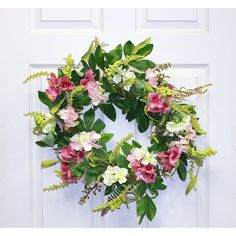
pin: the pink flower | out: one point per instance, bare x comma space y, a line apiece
66, 174
52, 93
151, 77
157, 104
69, 116
66, 84
89, 76
53, 81
170, 157
70, 154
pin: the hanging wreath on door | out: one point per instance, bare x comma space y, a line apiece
120, 78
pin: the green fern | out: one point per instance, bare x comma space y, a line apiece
57, 186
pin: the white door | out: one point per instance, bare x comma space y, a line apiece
200, 44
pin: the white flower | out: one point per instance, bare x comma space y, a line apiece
50, 124
172, 127
85, 141
117, 78
114, 174
149, 158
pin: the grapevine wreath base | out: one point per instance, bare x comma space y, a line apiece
129, 172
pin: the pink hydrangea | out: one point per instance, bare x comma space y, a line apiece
151, 77
69, 115
93, 87
157, 104
58, 85
66, 174
170, 157
144, 172
70, 154
66, 84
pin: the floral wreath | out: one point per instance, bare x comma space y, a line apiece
119, 78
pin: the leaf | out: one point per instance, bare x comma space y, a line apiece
191, 184
181, 170
80, 169
91, 62
75, 77
114, 55
43, 97
48, 163
141, 189
81, 99
146, 50
141, 45
151, 209
89, 118
141, 118
196, 125
57, 107
109, 190
121, 161
142, 205
126, 148
60, 72
99, 57
136, 144
128, 48
142, 65
47, 141
91, 175
90, 50
106, 137
98, 126
108, 110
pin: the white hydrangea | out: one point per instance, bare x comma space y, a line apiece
85, 141
172, 127
142, 154
50, 124
114, 174
124, 75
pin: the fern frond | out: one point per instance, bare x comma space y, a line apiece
57, 186
36, 75
116, 150
115, 201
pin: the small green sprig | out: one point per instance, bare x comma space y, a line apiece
36, 75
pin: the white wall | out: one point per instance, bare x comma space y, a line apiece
200, 44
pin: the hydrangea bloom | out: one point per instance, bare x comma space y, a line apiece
157, 104
70, 154
114, 174
172, 127
66, 174
94, 89
50, 124
170, 157
151, 77
122, 76
57, 85
69, 115
142, 163
85, 141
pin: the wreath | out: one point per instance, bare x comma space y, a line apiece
120, 78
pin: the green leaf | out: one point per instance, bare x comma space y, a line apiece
114, 55
141, 45
126, 148
91, 175
108, 110
128, 82
191, 184
48, 163
146, 50
57, 107
108, 87
128, 48
196, 126
43, 97
91, 62
136, 144
182, 172
47, 141
142, 65
89, 51
106, 137
99, 57
98, 126
89, 118
81, 99
121, 161
141, 189
142, 205
109, 190
151, 209
75, 77
141, 118
60, 72
80, 169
